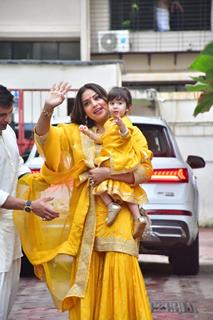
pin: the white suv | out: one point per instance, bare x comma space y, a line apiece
173, 197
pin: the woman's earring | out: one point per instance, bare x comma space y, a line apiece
86, 120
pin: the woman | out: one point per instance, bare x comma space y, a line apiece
105, 281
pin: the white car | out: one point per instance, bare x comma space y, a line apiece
173, 197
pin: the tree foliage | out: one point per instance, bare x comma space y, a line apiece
203, 84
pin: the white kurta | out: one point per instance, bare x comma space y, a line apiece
11, 167
162, 19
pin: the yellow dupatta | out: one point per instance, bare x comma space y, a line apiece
73, 233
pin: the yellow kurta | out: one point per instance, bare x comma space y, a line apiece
104, 280
122, 155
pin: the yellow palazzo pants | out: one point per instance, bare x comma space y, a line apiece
115, 289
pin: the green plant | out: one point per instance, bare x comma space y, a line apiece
133, 14
135, 7
204, 83
126, 24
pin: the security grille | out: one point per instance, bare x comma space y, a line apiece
141, 15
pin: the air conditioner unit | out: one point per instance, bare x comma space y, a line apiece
113, 41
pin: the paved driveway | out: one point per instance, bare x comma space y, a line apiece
181, 297
172, 297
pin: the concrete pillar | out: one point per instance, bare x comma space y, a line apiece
85, 30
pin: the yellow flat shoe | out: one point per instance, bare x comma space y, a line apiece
113, 209
139, 226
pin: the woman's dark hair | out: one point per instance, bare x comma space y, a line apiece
78, 114
120, 93
6, 97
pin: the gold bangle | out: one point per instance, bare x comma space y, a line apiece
47, 113
125, 133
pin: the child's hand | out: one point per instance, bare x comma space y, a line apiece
92, 135
83, 128
120, 123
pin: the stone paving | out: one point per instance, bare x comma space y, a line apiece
172, 297
195, 291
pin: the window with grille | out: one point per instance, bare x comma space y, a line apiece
141, 14
40, 50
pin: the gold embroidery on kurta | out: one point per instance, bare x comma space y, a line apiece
88, 148
117, 244
79, 287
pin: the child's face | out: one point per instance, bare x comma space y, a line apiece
117, 107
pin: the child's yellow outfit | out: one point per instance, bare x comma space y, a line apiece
121, 154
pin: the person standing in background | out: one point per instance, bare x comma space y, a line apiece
12, 167
163, 9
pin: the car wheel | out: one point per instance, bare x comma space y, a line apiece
185, 260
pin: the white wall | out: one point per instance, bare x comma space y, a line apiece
32, 76
29, 18
45, 75
179, 107
201, 146
99, 19
195, 137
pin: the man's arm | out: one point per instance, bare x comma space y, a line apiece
39, 207
13, 203
176, 6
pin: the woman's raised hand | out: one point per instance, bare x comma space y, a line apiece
54, 98
57, 94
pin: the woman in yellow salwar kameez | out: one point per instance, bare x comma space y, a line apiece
121, 153
91, 269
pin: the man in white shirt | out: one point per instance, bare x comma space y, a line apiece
162, 13
11, 168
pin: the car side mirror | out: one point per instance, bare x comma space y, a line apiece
196, 162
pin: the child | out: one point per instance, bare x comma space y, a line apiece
120, 152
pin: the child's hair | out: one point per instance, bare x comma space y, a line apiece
120, 93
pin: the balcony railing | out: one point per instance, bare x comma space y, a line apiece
151, 27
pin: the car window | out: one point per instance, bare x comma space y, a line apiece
158, 140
